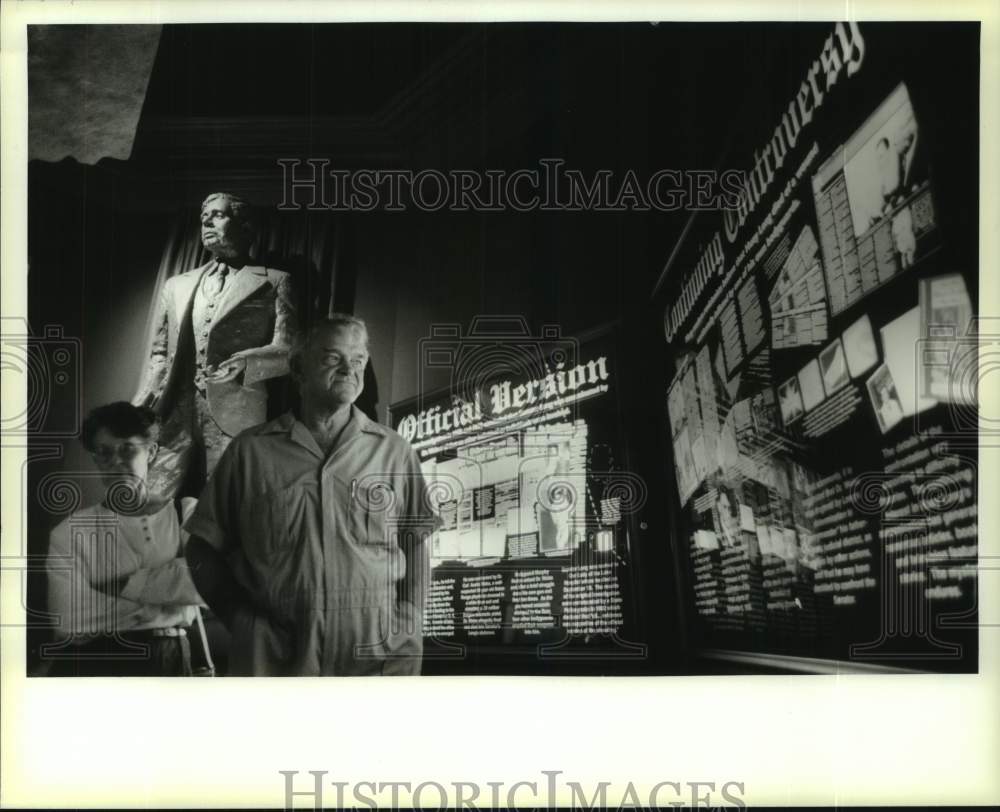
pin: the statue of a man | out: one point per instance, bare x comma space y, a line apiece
220, 332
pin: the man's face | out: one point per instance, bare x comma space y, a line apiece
123, 460
332, 371
220, 233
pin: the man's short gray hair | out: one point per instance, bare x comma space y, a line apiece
335, 321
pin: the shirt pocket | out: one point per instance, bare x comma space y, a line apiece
374, 510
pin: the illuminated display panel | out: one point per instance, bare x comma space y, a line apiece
526, 466
826, 502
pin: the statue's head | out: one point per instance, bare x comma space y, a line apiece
227, 228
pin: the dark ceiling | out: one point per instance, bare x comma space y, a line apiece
290, 70
499, 87
225, 103
225, 100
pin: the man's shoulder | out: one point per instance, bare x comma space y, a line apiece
394, 439
253, 435
391, 435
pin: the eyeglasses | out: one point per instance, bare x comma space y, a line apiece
124, 451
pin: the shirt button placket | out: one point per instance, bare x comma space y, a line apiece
328, 541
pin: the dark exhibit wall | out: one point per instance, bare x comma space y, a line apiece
92, 271
549, 268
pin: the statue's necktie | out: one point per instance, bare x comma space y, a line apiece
217, 279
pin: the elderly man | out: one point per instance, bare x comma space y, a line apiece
221, 331
309, 541
118, 584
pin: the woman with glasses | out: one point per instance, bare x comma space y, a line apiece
118, 585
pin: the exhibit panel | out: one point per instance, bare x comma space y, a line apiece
822, 338
525, 463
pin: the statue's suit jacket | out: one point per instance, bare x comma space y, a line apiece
256, 310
